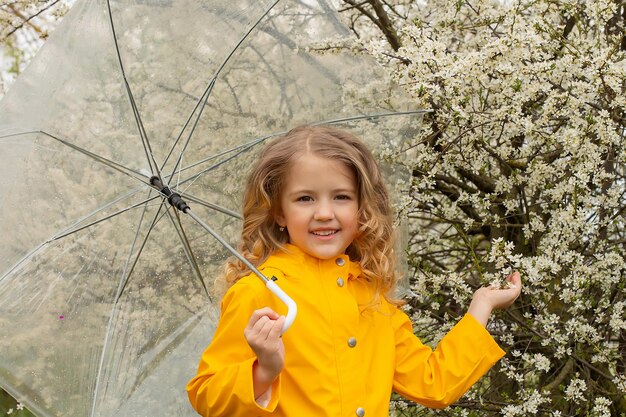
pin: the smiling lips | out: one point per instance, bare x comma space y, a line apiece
324, 232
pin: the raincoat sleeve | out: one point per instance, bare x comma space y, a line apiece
438, 378
223, 385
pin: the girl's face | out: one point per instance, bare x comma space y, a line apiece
319, 206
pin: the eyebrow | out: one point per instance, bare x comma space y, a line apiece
335, 191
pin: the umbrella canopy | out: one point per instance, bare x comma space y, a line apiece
105, 289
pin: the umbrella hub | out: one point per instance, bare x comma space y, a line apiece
173, 198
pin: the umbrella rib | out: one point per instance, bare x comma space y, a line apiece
126, 277
245, 147
213, 206
111, 164
127, 273
193, 128
187, 247
117, 213
234, 149
142, 132
175, 338
143, 244
21, 261
240, 149
370, 116
212, 83
273, 32
203, 99
127, 195
244, 37
68, 230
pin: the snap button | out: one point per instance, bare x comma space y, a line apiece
352, 342
360, 412
340, 262
340, 281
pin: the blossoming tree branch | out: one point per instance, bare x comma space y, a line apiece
519, 166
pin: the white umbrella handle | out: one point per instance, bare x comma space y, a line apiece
292, 308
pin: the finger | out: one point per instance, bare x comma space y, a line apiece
514, 280
253, 327
276, 330
258, 314
257, 335
265, 328
256, 324
260, 324
269, 333
265, 311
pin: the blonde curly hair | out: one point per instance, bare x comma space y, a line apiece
260, 237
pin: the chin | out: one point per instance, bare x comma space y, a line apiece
327, 254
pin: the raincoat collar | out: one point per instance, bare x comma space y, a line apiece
291, 260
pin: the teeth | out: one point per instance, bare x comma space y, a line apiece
324, 232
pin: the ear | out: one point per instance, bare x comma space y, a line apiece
280, 220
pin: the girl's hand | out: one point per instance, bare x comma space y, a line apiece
263, 336
486, 299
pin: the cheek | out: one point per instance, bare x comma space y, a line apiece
352, 216
293, 215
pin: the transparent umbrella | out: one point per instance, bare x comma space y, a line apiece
105, 288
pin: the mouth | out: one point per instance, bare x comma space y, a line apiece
325, 232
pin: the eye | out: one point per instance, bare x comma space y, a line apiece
344, 197
305, 198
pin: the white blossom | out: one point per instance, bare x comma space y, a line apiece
575, 390
601, 407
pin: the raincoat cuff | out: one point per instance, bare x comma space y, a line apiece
270, 405
484, 342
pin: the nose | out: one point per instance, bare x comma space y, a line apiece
324, 211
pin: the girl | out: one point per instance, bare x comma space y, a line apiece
317, 217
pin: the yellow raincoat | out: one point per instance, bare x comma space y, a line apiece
340, 360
